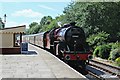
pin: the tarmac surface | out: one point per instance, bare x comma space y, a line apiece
39, 64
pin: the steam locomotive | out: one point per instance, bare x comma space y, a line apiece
67, 42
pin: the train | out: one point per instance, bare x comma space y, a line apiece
67, 42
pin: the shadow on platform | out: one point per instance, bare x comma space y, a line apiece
28, 52
22, 53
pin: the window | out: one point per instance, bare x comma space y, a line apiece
17, 39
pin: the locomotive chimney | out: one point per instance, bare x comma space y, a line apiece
72, 23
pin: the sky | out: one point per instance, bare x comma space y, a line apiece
24, 13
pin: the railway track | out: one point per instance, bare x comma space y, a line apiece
107, 69
94, 74
114, 67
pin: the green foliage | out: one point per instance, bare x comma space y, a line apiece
102, 51
45, 22
1, 24
61, 19
34, 27
95, 17
76, 12
33, 24
97, 39
115, 51
52, 25
114, 54
115, 45
103, 17
117, 61
108, 51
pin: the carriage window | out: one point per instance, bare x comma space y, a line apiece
16, 40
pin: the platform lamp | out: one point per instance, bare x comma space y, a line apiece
4, 20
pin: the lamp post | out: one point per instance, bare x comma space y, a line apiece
5, 19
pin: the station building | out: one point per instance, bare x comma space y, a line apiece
10, 39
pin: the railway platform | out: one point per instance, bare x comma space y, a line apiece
42, 64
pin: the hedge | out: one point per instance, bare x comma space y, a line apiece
114, 54
102, 51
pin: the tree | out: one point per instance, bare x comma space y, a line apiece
95, 17
92, 17
104, 17
33, 24
53, 24
45, 21
2, 25
98, 39
33, 28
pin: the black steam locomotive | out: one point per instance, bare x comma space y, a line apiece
67, 42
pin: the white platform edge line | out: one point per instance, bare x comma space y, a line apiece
63, 63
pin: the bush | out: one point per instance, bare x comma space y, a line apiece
109, 51
96, 51
117, 61
97, 39
114, 54
102, 51
115, 45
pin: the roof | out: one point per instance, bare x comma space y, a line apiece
13, 27
35, 34
17, 29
